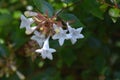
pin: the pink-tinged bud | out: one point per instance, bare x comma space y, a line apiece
30, 13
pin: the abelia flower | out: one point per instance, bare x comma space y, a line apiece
26, 23
46, 52
74, 34
39, 38
60, 34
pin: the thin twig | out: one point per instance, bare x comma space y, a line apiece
61, 10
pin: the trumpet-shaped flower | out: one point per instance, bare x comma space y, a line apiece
39, 38
60, 34
74, 34
26, 23
46, 52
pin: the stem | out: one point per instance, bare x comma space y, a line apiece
115, 4
61, 10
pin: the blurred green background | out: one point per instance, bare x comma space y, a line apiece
95, 57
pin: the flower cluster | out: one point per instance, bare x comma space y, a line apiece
44, 27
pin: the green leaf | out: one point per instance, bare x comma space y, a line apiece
70, 77
44, 7
68, 56
114, 12
69, 1
99, 63
18, 38
104, 7
93, 7
5, 19
3, 50
72, 18
47, 74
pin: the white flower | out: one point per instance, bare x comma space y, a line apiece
74, 34
30, 30
46, 52
60, 34
26, 23
39, 38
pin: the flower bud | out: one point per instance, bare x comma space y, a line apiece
20, 75
30, 13
29, 7
13, 68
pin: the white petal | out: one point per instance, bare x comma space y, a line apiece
55, 26
69, 36
73, 40
43, 55
37, 33
31, 20
39, 41
61, 41
33, 38
81, 36
49, 56
69, 27
79, 29
29, 30
39, 38
39, 50
52, 50
55, 36
23, 21
46, 44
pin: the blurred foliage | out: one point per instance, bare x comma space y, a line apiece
96, 57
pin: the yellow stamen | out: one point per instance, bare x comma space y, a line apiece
57, 30
41, 28
54, 18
